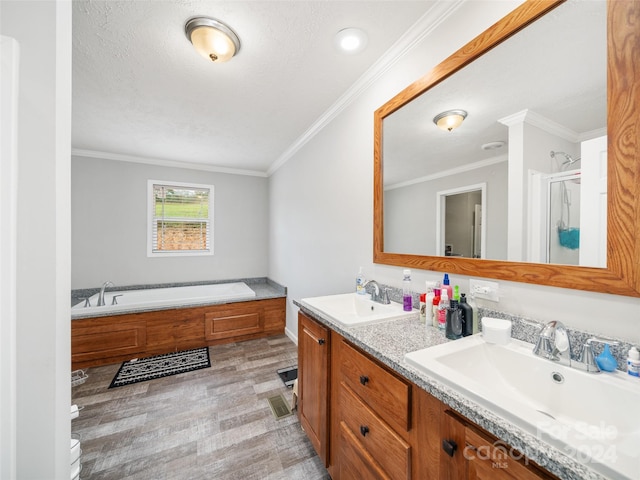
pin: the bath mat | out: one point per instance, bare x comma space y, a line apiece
279, 407
142, 369
288, 375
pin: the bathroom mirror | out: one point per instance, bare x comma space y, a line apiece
620, 276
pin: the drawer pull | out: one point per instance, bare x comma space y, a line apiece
321, 341
364, 430
449, 446
364, 379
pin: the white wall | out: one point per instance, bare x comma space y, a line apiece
109, 219
43, 353
321, 205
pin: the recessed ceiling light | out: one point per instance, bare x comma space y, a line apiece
351, 40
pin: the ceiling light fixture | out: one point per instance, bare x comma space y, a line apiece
450, 120
212, 39
351, 40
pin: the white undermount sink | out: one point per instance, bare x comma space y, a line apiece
590, 417
350, 309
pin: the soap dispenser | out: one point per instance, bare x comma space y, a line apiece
606, 362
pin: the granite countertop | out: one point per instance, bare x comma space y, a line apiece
390, 341
263, 287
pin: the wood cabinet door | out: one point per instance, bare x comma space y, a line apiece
494, 460
313, 379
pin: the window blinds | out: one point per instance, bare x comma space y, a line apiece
181, 219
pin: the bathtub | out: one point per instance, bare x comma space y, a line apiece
150, 299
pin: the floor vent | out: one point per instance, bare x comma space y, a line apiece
279, 406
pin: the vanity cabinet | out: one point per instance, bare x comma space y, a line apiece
368, 422
314, 344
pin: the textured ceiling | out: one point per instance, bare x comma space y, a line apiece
141, 90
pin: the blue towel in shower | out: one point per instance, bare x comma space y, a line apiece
569, 237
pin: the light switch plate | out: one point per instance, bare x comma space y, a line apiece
484, 289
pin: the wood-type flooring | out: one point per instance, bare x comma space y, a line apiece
214, 423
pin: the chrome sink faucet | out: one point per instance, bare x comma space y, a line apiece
379, 294
586, 359
101, 294
553, 343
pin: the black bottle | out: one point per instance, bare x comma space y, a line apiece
466, 312
453, 327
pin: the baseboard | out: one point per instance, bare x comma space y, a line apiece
289, 333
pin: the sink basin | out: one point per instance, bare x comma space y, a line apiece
591, 417
350, 309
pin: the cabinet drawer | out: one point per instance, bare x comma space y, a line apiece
388, 395
355, 461
384, 445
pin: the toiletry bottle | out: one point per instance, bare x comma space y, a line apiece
633, 362
442, 309
360, 281
466, 315
436, 303
429, 304
423, 307
446, 286
606, 362
456, 293
453, 327
407, 295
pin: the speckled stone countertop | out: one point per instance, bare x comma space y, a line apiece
264, 288
390, 341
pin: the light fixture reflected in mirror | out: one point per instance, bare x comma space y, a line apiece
450, 120
212, 39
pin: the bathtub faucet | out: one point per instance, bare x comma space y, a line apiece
101, 295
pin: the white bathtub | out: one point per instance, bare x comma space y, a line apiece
135, 300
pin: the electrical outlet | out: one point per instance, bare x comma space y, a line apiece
483, 289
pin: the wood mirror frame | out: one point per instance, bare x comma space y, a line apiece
622, 274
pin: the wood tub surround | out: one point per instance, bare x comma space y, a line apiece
367, 420
105, 340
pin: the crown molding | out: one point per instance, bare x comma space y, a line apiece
541, 122
450, 172
423, 27
77, 152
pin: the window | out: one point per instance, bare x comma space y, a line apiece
180, 219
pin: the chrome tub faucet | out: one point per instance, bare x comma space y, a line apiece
101, 294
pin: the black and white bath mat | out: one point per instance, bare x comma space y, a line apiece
142, 369
288, 375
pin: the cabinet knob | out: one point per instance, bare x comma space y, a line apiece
364, 430
364, 379
449, 446
321, 341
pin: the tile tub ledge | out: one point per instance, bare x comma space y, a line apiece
264, 288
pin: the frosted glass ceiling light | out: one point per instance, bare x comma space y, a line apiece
450, 120
212, 39
351, 40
